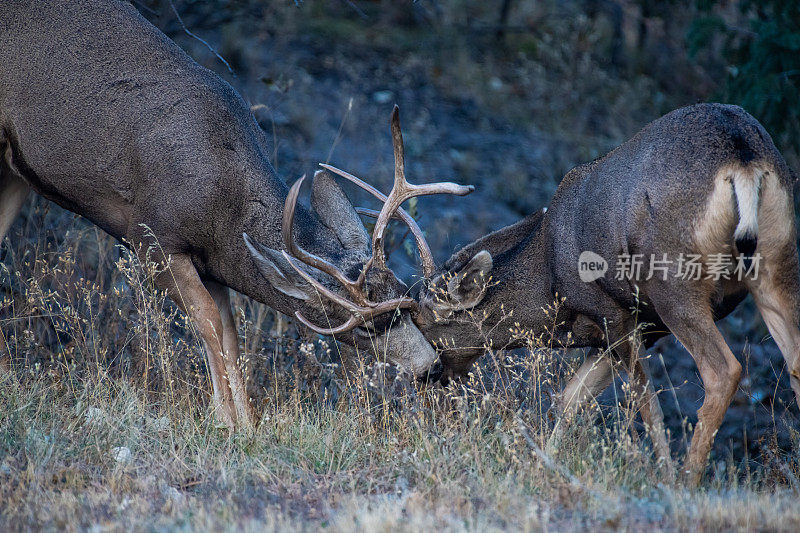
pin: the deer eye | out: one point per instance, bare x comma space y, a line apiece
442, 313
354, 271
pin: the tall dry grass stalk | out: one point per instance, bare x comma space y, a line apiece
105, 424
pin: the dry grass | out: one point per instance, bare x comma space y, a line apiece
104, 425
104, 419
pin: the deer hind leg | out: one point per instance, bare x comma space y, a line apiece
13, 193
776, 287
776, 296
187, 290
719, 371
230, 344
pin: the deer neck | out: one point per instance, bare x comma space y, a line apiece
259, 214
522, 274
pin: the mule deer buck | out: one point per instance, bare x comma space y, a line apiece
702, 182
104, 115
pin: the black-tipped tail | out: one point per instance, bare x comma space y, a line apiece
747, 189
746, 246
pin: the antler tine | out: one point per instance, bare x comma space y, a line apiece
374, 214
361, 183
361, 310
396, 195
329, 294
424, 250
359, 313
353, 288
402, 191
351, 324
399, 149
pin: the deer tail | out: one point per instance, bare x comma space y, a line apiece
746, 188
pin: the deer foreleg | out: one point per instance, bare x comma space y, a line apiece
13, 193
185, 287
230, 344
650, 409
592, 378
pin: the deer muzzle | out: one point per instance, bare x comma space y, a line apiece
405, 345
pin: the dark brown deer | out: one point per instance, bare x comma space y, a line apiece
702, 182
104, 115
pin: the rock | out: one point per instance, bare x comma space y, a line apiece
382, 97
158, 424
121, 454
95, 416
172, 494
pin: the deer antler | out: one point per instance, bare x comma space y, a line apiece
353, 288
401, 191
361, 309
359, 306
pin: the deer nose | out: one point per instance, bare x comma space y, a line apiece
406, 346
433, 374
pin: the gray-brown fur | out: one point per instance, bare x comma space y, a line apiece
667, 190
104, 115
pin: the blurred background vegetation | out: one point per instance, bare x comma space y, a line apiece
507, 95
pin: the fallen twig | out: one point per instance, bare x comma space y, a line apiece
552, 465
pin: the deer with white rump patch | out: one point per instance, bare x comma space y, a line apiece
102, 114
701, 181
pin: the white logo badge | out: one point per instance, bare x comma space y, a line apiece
591, 266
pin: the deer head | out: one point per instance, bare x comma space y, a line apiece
371, 305
463, 307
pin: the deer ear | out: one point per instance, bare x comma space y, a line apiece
337, 213
467, 287
280, 274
